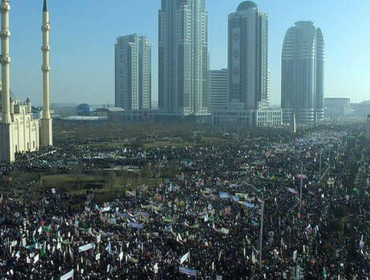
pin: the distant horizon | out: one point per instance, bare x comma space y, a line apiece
83, 38
155, 103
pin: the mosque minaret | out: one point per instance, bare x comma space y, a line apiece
19, 130
46, 121
7, 151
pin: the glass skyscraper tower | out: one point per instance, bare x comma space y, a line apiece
303, 74
183, 61
248, 57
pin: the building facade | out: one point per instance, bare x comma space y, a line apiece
247, 118
248, 57
183, 57
303, 59
133, 78
337, 107
249, 76
218, 90
25, 128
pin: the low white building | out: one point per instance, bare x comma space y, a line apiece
248, 118
25, 129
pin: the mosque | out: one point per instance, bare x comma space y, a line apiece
19, 131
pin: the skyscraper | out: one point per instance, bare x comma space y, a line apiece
218, 89
303, 58
249, 76
183, 55
248, 57
133, 73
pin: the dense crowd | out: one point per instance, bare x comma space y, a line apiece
206, 221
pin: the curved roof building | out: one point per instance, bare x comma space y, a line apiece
247, 5
248, 57
303, 73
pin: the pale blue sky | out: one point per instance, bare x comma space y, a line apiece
84, 33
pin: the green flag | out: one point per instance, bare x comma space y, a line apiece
324, 273
43, 251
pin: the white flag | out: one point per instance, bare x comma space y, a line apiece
109, 248
185, 258
36, 259
156, 268
68, 275
206, 218
295, 255
178, 238
120, 256
253, 258
362, 243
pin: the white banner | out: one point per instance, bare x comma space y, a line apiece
86, 247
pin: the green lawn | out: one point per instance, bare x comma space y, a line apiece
80, 183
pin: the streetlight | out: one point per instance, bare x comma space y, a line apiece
320, 165
262, 193
301, 186
261, 221
261, 228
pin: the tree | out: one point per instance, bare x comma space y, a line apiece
112, 179
146, 172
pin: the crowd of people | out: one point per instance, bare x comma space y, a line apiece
205, 222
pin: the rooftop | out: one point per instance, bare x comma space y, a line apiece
246, 5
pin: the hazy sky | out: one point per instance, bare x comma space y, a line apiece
84, 33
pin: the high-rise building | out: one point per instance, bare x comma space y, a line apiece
133, 73
303, 58
218, 90
249, 76
248, 57
183, 55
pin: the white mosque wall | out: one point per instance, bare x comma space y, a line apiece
25, 131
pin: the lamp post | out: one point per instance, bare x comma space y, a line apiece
320, 171
262, 214
301, 189
261, 228
301, 185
